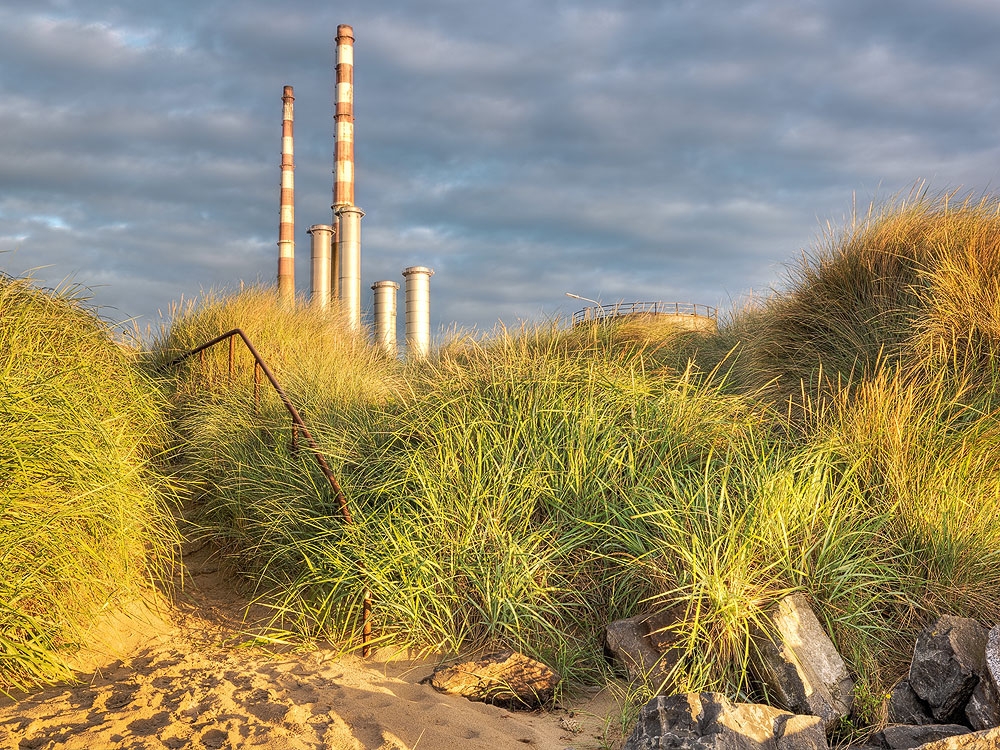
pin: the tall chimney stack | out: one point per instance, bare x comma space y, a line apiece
343, 186
347, 216
321, 243
385, 315
418, 310
286, 226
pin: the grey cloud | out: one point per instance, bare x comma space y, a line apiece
651, 149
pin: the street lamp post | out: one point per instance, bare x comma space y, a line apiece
585, 299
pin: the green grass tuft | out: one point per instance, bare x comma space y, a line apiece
84, 517
523, 488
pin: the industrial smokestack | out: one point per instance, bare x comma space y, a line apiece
334, 263
418, 310
343, 186
322, 235
385, 315
286, 226
349, 258
347, 216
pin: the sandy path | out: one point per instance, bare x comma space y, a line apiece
177, 677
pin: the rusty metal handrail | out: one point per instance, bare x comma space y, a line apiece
620, 309
297, 425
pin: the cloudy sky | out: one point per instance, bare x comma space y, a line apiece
631, 150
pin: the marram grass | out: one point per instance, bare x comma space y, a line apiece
523, 488
84, 520
913, 283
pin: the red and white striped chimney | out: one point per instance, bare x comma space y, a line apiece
343, 186
286, 227
347, 216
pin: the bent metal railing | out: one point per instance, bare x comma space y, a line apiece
297, 426
605, 312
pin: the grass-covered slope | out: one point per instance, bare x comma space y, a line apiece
234, 453
523, 488
913, 284
83, 519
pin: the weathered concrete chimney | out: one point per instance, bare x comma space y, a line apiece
322, 235
347, 216
418, 310
286, 226
385, 315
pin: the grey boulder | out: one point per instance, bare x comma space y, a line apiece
948, 660
903, 736
988, 739
906, 707
710, 721
802, 668
643, 647
993, 656
983, 708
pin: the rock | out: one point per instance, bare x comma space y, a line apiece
802, 668
905, 706
993, 656
643, 647
506, 678
948, 659
983, 708
902, 736
709, 721
985, 740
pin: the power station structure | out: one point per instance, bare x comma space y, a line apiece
346, 215
322, 253
385, 315
418, 306
336, 247
286, 222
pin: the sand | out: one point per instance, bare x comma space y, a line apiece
184, 675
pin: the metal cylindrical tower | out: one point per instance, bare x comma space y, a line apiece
335, 263
346, 259
418, 310
322, 235
349, 252
286, 226
385, 315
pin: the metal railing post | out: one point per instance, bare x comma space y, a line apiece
298, 427
256, 387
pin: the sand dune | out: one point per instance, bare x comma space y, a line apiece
178, 676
